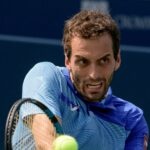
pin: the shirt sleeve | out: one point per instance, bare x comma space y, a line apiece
138, 137
42, 83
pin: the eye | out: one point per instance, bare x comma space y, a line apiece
82, 62
104, 60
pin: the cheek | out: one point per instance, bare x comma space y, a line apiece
77, 76
109, 75
110, 70
76, 73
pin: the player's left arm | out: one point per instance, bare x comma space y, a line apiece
138, 137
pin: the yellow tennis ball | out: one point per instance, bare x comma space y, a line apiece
65, 142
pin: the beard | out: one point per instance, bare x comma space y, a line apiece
80, 84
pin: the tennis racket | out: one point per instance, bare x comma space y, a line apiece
27, 122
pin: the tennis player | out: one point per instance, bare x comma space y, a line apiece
80, 95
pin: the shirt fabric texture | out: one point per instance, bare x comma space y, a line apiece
111, 124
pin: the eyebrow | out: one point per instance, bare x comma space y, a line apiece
106, 55
84, 57
78, 56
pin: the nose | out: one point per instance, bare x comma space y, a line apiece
94, 72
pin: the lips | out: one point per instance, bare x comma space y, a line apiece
94, 87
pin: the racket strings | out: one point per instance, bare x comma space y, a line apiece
22, 138
29, 127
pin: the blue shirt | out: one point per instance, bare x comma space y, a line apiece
111, 124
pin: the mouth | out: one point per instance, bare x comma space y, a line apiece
94, 87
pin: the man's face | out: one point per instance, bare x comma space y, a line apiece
92, 66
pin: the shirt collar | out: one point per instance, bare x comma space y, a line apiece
105, 103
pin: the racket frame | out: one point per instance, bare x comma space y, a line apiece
14, 108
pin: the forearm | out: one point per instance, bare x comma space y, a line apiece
43, 131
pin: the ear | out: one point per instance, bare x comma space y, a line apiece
118, 61
67, 62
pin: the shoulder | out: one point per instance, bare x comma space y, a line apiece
44, 70
126, 106
131, 113
42, 75
43, 67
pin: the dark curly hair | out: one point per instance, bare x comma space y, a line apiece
90, 24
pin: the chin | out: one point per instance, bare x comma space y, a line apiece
93, 99
96, 97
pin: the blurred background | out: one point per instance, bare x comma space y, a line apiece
31, 31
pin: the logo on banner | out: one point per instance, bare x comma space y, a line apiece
102, 5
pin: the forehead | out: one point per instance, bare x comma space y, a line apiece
92, 47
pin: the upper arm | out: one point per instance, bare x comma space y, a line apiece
138, 137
